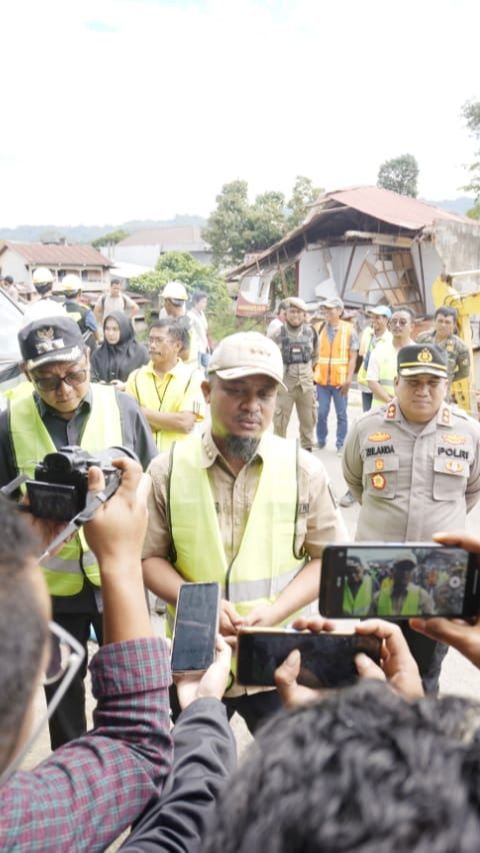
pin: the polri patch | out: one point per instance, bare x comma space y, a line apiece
378, 481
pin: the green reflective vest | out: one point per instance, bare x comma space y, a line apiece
31, 442
358, 604
410, 606
266, 561
387, 370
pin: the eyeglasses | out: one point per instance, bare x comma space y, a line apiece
51, 383
398, 322
65, 660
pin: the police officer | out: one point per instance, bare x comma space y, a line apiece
61, 409
298, 344
264, 507
414, 463
443, 335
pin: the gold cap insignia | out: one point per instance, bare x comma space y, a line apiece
425, 356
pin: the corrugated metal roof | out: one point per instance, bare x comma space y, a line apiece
39, 254
400, 210
176, 235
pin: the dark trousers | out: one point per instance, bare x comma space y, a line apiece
367, 400
429, 656
69, 720
255, 708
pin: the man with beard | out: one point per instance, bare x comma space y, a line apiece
242, 507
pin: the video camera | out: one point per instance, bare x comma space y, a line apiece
59, 490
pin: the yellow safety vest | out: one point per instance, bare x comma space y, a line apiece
410, 606
31, 442
162, 395
359, 604
266, 561
333, 356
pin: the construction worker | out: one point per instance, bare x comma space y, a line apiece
168, 390
402, 596
338, 346
377, 332
298, 345
70, 287
175, 298
264, 507
414, 463
64, 409
44, 306
382, 364
443, 335
358, 589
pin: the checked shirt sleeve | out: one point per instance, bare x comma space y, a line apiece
88, 791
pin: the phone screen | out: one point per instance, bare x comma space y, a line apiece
399, 581
327, 660
196, 627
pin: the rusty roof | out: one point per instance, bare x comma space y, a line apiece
49, 255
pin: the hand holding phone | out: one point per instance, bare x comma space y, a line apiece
212, 683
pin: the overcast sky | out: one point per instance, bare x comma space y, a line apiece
133, 109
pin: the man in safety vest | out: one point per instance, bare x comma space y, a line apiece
64, 409
382, 364
358, 590
338, 346
241, 506
401, 596
167, 389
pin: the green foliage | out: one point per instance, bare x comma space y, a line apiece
474, 212
237, 228
471, 114
113, 237
399, 175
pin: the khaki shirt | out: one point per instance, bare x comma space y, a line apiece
456, 351
412, 481
319, 521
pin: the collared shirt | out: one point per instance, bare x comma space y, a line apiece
457, 353
88, 791
178, 390
319, 521
412, 479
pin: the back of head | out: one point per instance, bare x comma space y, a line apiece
70, 285
42, 279
363, 770
23, 625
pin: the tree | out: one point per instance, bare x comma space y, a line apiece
236, 227
471, 113
400, 175
113, 237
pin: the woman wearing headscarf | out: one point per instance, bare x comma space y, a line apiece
119, 353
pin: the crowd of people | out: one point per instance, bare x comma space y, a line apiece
227, 498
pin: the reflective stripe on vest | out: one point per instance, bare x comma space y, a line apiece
358, 604
265, 562
333, 357
410, 606
31, 442
387, 371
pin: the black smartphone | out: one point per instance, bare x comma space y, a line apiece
399, 580
327, 660
196, 627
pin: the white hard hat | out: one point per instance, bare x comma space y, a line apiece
42, 275
71, 283
175, 290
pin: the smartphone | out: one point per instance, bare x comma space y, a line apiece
196, 627
327, 660
399, 580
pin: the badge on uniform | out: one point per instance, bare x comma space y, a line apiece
379, 436
454, 467
391, 412
445, 416
378, 481
451, 438
379, 464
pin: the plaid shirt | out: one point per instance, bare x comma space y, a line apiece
88, 791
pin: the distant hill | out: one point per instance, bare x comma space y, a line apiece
458, 205
87, 233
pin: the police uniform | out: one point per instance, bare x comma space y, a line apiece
456, 351
299, 352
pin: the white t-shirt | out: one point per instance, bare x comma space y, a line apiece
43, 308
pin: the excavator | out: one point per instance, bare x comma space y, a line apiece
463, 391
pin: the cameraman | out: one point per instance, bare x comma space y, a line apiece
63, 408
89, 791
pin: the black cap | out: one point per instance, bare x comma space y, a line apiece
50, 339
422, 358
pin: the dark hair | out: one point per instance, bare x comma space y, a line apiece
198, 296
115, 281
177, 328
363, 770
403, 308
447, 311
23, 627
8, 279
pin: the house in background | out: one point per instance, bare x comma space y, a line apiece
369, 245
146, 247
20, 260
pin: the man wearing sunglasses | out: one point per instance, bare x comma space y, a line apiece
63, 408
